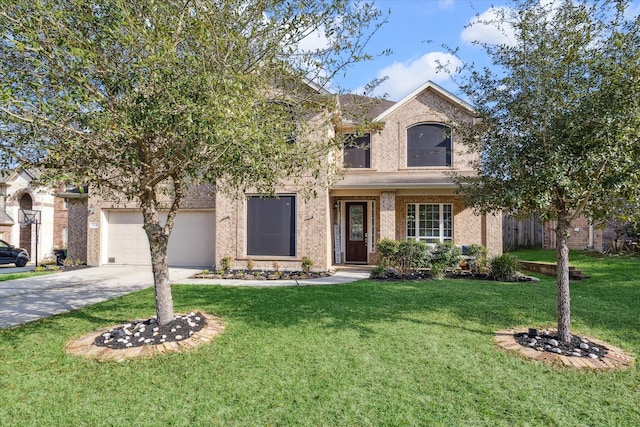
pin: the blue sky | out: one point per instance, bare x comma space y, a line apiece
415, 32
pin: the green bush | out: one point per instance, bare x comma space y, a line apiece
378, 271
446, 255
412, 254
387, 252
405, 256
479, 257
306, 264
504, 268
225, 263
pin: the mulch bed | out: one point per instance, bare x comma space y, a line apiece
145, 332
103, 345
262, 275
606, 356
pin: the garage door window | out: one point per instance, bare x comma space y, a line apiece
271, 226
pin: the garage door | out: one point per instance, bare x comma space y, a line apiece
192, 241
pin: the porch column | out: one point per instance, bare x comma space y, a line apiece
387, 215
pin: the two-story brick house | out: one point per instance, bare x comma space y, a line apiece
394, 185
19, 189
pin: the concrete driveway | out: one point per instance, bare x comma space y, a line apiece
26, 300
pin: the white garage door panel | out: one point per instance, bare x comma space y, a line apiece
192, 242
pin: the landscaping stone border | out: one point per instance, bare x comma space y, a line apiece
616, 358
85, 347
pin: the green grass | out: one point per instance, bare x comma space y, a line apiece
367, 353
12, 276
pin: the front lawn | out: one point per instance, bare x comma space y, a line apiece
367, 353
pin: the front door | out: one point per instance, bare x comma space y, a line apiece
356, 236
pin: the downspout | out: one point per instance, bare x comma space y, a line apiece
591, 236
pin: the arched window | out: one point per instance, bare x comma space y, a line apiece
428, 145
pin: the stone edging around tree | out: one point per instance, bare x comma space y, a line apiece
616, 358
85, 347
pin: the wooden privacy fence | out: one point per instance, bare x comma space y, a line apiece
521, 233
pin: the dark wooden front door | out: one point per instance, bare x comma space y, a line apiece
356, 236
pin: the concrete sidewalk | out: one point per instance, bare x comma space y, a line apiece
26, 300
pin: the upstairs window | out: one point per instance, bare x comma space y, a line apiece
428, 145
357, 151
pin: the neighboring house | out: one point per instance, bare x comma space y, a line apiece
395, 186
18, 190
582, 235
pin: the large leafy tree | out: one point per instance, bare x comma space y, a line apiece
560, 119
144, 99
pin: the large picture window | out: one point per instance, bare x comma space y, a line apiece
428, 145
357, 151
271, 226
430, 223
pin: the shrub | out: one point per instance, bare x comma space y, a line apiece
445, 255
387, 252
405, 256
307, 263
411, 255
504, 268
250, 264
276, 266
479, 257
72, 262
225, 263
378, 271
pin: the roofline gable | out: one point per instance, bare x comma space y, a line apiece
428, 85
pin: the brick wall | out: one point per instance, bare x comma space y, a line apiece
579, 235
312, 232
77, 247
60, 221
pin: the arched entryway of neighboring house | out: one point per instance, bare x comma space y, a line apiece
26, 202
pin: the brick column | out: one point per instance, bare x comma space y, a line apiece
77, 246
387, 215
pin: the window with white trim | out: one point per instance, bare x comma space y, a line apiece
429, 222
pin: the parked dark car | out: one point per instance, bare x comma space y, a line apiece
9, 254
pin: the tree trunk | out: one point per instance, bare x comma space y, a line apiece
562, 281
158, 243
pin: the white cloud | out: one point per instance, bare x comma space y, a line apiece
403, 77
445, 4
314, 40
489, 27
